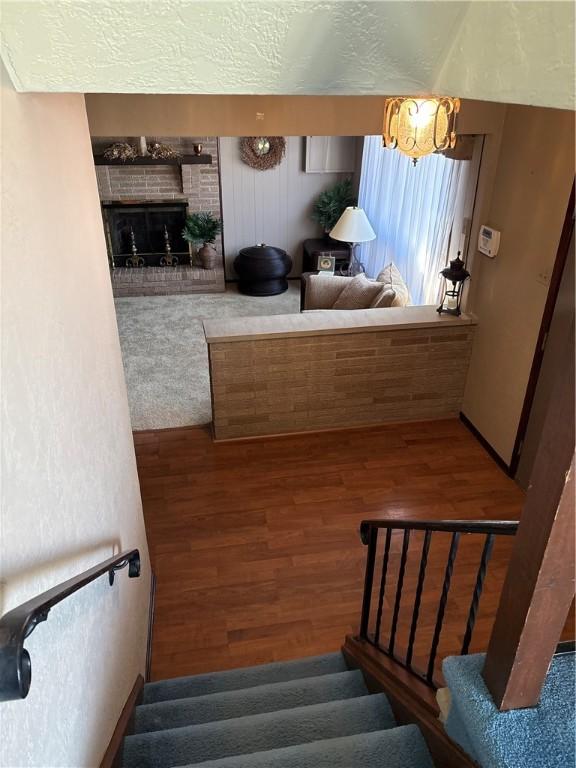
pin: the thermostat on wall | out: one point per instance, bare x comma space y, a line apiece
488, 241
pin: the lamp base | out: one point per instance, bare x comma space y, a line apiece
355, 266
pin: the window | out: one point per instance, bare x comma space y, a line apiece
418, 212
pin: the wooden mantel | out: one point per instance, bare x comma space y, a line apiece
184, 160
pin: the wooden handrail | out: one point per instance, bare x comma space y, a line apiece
20, 622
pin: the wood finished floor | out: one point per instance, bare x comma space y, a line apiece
255, 544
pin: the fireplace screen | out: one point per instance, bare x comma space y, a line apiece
145, 226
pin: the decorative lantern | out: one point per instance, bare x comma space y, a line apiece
455, 275
418, 127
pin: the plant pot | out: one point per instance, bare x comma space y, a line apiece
208, 256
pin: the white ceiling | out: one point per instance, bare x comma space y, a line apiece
499, 51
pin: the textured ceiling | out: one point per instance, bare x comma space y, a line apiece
293, 47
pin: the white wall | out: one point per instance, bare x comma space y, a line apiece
517, 52
271, 207
499, 51
70, 494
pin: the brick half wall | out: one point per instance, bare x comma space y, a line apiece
298, 383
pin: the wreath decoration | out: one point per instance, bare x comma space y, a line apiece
262, 152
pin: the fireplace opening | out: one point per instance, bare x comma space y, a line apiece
147, 227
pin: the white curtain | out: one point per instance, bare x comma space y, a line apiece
412, 210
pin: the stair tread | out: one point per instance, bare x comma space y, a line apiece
257, 733
400, 747
271, 697
243, 677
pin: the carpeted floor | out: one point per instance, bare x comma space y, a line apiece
164, 351
537, 737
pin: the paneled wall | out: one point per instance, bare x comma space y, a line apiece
271, 207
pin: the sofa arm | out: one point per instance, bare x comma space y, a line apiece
304, 280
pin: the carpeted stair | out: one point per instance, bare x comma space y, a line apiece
310, 713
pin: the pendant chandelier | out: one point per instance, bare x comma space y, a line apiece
418, 127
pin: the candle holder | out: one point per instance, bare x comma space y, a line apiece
135, 260
168, 260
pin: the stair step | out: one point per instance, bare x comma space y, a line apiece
244, 677
401, 747
257, 733
302, 692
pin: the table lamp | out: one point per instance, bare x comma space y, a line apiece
353, 227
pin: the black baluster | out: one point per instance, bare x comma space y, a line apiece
368, 581
442, 606
382, 584
405, 543
486, 553
418, 598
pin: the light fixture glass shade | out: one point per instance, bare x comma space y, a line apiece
418, 127
353, 227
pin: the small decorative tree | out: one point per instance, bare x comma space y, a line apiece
204, 228
331, 204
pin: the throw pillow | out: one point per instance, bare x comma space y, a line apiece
384, 298
358, 294
392, 279
322, 290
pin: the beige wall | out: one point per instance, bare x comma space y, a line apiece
70, 495
113, 114
532, 184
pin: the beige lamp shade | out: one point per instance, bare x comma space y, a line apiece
353, 227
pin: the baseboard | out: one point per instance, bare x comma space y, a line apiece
409, 702
150, 624
137, 433
486, 445
124, 727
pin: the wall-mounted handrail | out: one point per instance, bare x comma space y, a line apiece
369, 534
20, 622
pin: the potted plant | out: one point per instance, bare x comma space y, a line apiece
331, 203
203, 228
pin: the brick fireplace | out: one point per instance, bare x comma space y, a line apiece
151, 199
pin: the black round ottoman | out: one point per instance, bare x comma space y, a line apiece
262, 270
